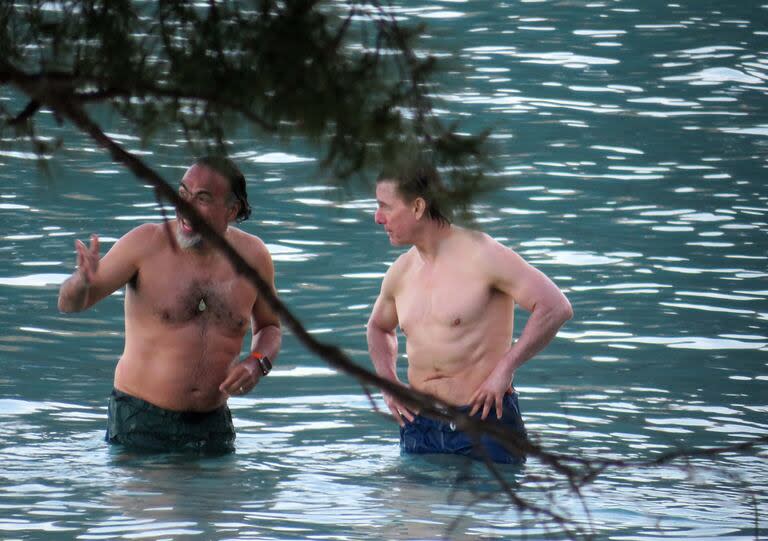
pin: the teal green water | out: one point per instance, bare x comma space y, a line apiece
631, 140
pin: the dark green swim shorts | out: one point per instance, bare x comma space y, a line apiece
136, 423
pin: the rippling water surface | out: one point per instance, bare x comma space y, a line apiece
631, 141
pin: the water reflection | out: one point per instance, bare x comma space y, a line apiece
629, 143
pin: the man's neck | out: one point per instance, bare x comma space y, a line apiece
203, 250
432, 239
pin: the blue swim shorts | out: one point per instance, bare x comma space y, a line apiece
424, 435
140, 425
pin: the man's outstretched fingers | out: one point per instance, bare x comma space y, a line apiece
80, 249
95, 246
88, 257
83, 261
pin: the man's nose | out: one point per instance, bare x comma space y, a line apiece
379, 217
193, 202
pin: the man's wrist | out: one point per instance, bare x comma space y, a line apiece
260, 361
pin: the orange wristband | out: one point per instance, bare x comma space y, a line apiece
265, 365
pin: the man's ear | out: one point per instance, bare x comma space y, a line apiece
419, 207
234, 210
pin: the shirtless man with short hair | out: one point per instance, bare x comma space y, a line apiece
186, 314
453, 296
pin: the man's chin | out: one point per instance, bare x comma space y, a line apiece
395, 242
187, 241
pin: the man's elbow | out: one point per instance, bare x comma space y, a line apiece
272, 331
564, 311
556, 313
370, 325
370, 330
373, 331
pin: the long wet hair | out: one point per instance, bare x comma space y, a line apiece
227, 168
418, 178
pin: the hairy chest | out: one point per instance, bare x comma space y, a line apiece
181, 295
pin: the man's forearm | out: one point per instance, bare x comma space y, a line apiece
73, 294
268, 341
382, 347
542, 326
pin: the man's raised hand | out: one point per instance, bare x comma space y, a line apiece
88, 259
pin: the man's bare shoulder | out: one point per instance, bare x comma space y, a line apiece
241, 239
250, 247
479, 244
487, 258
145, 237
397, 270
130, 253
404, 261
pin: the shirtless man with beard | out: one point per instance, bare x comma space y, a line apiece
186, 314
453, 295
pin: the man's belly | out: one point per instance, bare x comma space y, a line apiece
180, 375
452, 374
454, 386
451, 389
